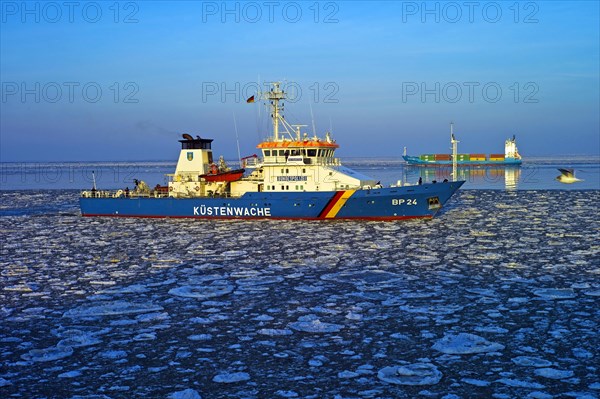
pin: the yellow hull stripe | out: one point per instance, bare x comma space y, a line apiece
339, 204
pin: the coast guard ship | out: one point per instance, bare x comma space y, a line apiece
294, 177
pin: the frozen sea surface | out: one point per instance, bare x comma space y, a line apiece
498, 297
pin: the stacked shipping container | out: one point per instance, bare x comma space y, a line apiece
462, 157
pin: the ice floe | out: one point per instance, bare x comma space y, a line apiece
185, 394
531, 361
274, 332
511, 382
70, 374
216, 289
364, 277
259, 280
491, 329
411, 374
347, 374
200, 337
582, 353
465, 343
287, 394
555, 293
48, 354
433, 309
313, 324
145, 337
79, 340
112, 309
476, 382
113, 354
230, 378
553, 373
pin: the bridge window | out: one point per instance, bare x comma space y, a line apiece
267, 153
196, 144
312, 153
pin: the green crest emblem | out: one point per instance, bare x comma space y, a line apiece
190, 156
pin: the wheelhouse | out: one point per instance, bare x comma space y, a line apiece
302, 152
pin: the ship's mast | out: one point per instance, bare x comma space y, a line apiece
94, 180
274, 95
454, 143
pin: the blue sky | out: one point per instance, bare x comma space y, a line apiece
99, 82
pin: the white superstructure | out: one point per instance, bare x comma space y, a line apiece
290, 161
510, 149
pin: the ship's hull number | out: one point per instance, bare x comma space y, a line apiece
402, 201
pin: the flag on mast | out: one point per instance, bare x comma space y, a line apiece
250, 100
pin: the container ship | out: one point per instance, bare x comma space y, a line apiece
294, 177
511, 156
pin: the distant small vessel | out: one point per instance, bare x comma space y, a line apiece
511, 156
293, 177
567, 176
